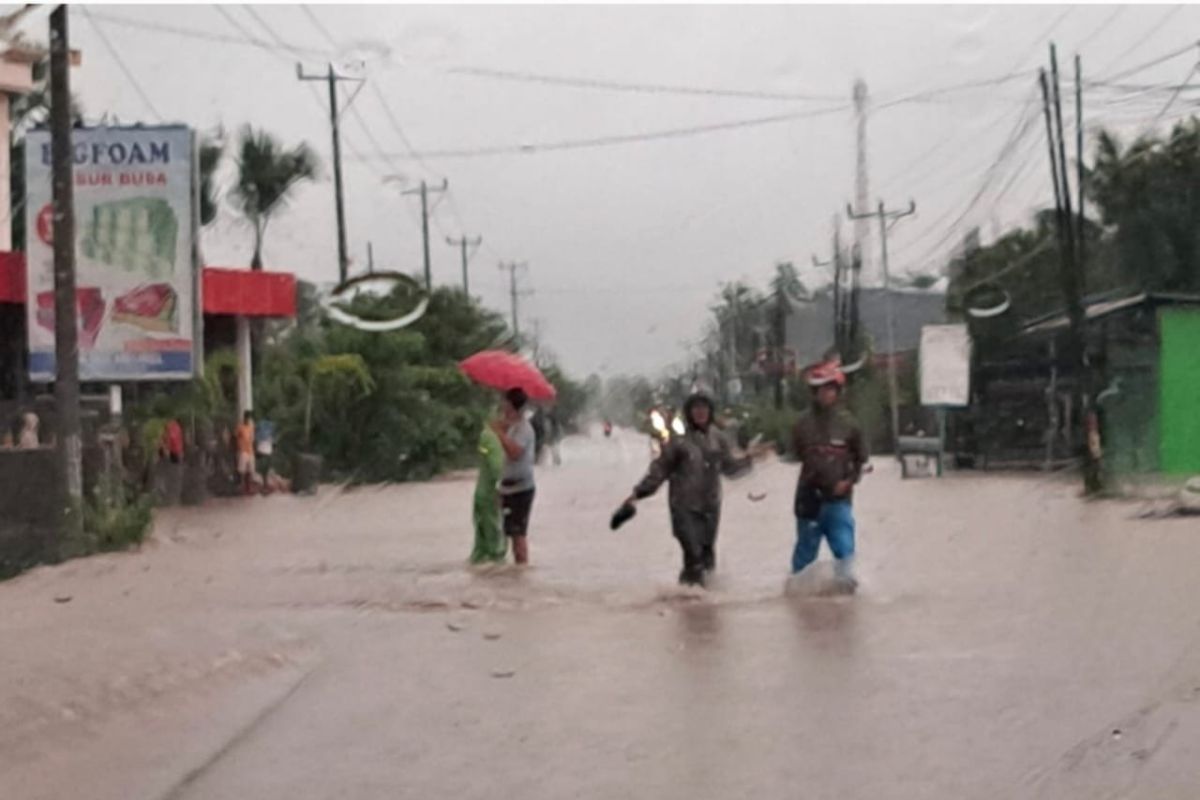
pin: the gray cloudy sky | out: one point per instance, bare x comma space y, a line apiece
627, 243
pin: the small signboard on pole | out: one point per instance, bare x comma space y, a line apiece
945, 366
945, 373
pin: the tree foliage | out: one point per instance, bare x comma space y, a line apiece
268, 173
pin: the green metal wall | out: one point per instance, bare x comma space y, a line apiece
1179, 391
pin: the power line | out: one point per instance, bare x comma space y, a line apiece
1103, 27
194, 33
606, 141
1039, 41
1024, 125
1146, 37
1175, 95
125, 70
641, 88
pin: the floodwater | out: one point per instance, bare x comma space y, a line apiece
1008, 640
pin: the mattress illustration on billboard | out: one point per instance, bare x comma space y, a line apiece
137, 234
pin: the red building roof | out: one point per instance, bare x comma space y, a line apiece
239, 292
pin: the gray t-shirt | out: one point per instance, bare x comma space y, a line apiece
518, 475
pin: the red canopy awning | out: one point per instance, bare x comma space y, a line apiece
239, 292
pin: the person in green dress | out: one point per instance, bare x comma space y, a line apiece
490, 543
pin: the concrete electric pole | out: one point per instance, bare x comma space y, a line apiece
423, 190
885, 218
464, 242
66, 335
331, 78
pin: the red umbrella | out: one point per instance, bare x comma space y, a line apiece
501, 370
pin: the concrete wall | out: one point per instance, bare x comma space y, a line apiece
28, 506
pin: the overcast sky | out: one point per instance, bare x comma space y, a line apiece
627, 243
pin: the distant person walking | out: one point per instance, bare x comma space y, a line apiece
264, 449
244, 438
830, 446
517, 486
28, 439
171, 447
554, 435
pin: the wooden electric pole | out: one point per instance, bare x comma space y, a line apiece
66, 336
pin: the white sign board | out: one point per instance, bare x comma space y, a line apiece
945, 365
135, 271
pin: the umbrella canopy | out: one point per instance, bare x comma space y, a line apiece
501, 370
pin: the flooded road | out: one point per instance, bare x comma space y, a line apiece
1007, 641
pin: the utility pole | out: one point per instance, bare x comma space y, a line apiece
1079, 170
1070, 265
862, 231
370, 259
885, 218
66, 335
839, 300
331, 78
512, 267
424, 189
465, 242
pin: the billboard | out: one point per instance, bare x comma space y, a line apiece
135, 270
945, 365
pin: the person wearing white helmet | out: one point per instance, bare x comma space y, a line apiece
830, 446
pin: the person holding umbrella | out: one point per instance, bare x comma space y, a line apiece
517, 486
520, 382
693, 463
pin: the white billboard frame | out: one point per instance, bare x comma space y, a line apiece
136, 249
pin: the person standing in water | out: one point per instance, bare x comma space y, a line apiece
693, 462
517, 485
490, 545
829, 444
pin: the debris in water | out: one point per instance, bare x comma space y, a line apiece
503, 673
756, 497
455, 626
62, 598
491, 636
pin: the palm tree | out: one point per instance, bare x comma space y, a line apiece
267, 175
211, 150
785, 287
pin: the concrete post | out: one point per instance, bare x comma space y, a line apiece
245, 368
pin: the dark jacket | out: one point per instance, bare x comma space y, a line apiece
694, 464
831, 449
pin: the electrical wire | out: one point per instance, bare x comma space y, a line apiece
120, 62
1024, 126
641, 88
1146, 37
1103, 27
194, 33
607, 141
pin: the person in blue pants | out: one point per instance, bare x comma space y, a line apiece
829, 444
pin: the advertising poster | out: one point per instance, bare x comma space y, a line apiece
135, 272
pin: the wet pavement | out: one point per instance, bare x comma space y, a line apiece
1008, 641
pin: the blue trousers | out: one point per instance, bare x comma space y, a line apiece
835, 524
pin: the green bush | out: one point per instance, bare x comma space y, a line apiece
115, 517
